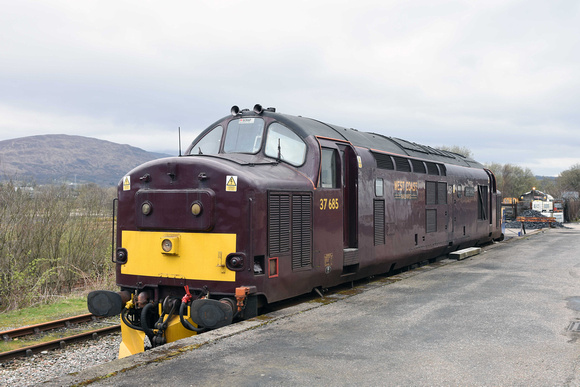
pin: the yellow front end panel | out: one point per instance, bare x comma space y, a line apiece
133, 341
175, 331
192, 256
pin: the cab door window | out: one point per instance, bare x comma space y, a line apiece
328, 168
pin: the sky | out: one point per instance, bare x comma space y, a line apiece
498, 77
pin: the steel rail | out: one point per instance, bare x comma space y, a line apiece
58, 343
37, 328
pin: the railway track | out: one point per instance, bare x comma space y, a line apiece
53, 344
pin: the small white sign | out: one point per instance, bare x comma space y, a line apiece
231, 183
127, 183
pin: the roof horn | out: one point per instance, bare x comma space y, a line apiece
258, 109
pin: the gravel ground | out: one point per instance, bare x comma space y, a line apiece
38, 368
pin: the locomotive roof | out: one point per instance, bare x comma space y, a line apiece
372, 141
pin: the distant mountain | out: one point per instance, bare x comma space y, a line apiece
553, 178
60, 158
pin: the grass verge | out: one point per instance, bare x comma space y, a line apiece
69, 306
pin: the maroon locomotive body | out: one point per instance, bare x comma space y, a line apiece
266, 206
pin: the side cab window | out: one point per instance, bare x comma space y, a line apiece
328, 170
283, 143
209, 144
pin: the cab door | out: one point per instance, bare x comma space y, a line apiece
336, 205
349, 192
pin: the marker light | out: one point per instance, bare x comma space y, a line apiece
196, 208
235, 261
121, 256
146, 208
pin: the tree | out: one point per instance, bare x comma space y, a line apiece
548, 185
460, 150
569, 180
513, 180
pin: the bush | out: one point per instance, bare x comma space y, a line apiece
572, 210
52, 239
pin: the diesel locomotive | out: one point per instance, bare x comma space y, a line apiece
265, 206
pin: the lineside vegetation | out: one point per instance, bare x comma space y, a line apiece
53, 240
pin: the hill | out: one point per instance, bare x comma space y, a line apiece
60, 158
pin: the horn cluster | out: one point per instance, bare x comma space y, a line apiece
258, 109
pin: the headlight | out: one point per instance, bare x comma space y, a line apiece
170, 244
166, 245
146, 208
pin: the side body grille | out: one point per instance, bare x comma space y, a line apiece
431, 221
290, 227
379, 221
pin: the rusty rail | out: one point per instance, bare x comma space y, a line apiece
37, 328
58, 343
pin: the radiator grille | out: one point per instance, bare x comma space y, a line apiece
441, 193
279, 224
383, 161
418, 166
432, 168
402, 164
290, 227
431, 220
301, 231
379, 220
430, 192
